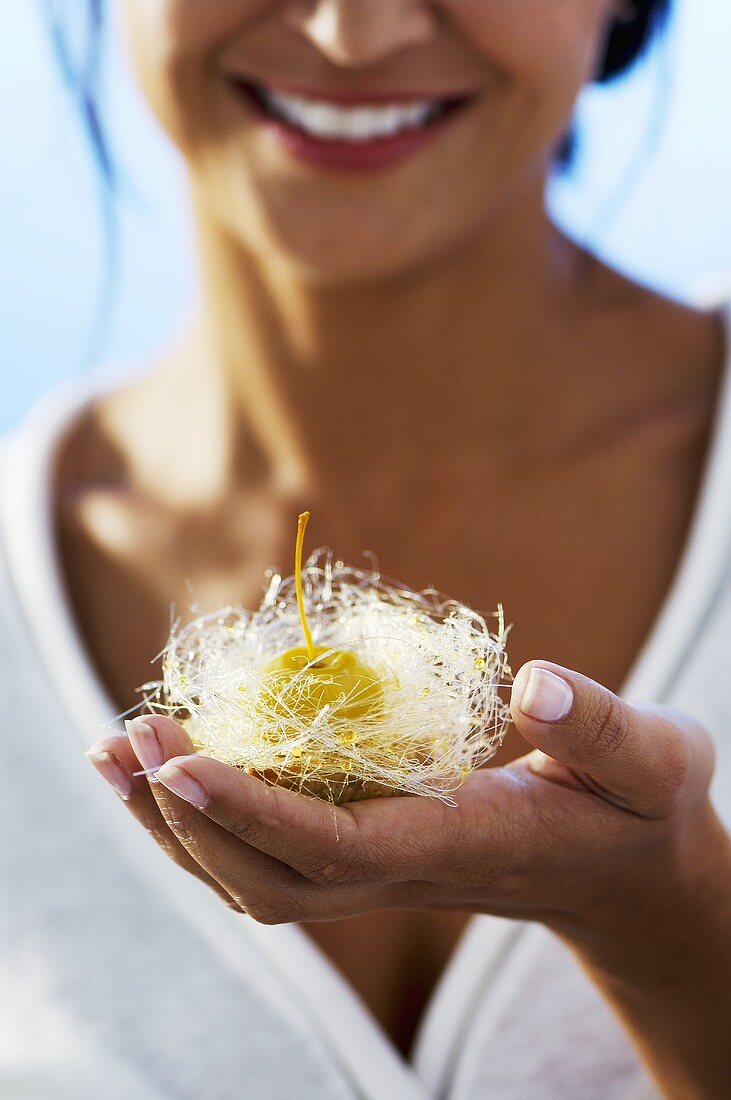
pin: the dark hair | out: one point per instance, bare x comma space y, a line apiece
627, 40
81, 70
628, 37
82, 74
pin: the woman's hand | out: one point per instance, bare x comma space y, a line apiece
605, 833
606, 824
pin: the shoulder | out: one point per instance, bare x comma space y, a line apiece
56, 433
650, 323
647, 360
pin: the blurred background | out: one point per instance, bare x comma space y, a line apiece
650, 189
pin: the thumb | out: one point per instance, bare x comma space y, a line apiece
642, 757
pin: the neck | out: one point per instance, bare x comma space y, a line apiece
318, 371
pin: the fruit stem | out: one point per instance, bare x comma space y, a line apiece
301, 524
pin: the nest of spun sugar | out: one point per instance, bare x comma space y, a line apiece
403, 696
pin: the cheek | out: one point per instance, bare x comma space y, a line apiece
550, 46
171, 44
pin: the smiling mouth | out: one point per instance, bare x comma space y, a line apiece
357, 122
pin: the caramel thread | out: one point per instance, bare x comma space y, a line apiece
301, 525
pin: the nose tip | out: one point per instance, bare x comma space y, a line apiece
360, 32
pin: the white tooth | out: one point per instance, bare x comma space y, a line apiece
334, 120
419, 114
328, 120
276, 100
318, 117
369, 122
391, 120
359, 123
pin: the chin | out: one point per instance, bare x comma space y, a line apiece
347, 266
322, 245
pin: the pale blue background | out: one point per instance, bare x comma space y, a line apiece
672, 227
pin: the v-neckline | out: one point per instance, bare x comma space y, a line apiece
329, 1003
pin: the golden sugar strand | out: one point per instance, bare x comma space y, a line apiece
301, 525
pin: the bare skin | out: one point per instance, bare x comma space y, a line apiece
597, 422
418, 357
223, 546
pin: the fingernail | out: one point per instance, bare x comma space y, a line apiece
109, 768
145, 743
546, 696
181, 783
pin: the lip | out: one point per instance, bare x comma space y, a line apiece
349, 155
361, 99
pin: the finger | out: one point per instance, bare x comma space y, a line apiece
639, 757
383, 840
115, 760
270, 891
155, 738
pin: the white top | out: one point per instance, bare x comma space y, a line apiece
121, 976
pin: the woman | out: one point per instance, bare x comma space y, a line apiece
393, 334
